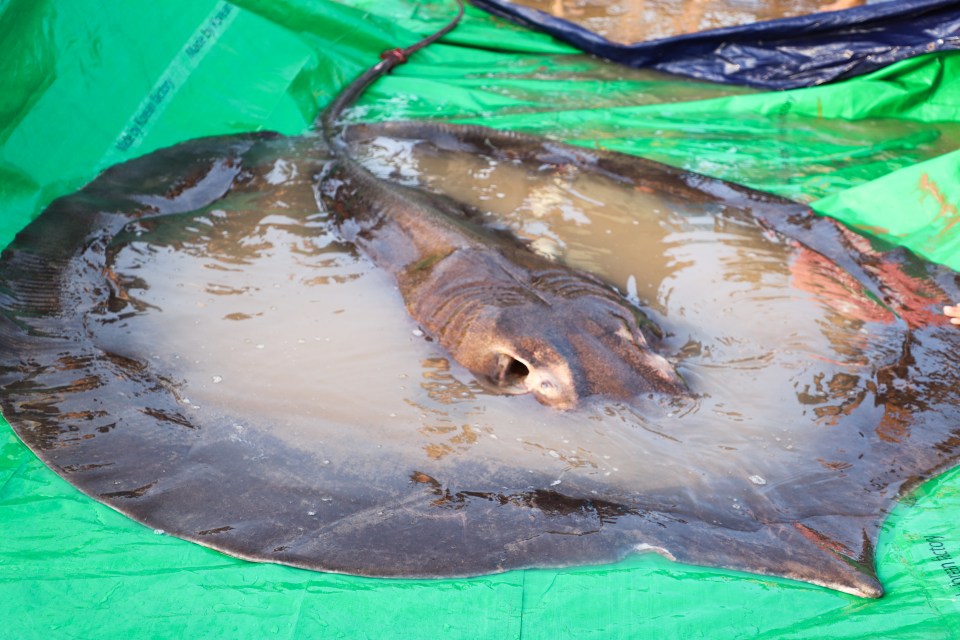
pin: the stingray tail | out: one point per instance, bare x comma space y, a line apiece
389, 60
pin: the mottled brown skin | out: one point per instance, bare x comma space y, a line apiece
519, 322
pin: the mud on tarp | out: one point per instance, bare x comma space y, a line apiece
85, 89
788, 53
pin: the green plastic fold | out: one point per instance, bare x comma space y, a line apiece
87, 85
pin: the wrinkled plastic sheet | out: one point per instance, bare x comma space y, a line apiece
788, 53
86, 89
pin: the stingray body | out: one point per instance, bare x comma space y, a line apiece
451, 481
108, 407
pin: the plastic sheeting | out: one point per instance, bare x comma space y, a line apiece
788, 53
86, 88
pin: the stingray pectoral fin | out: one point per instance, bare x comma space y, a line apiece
785, 217
798, 551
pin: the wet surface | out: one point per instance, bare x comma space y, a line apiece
583, 82
629, 21
189, 340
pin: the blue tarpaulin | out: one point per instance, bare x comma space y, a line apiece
787, 53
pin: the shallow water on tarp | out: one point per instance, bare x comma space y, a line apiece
631, 21
265, 316
188, 340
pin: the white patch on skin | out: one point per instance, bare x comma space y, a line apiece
661, 366
543, 383
643, 547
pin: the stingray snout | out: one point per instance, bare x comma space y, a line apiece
549, 385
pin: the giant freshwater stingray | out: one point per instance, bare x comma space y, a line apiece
194, 341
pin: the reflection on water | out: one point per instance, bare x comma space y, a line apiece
631, 21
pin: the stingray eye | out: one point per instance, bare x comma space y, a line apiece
511, 372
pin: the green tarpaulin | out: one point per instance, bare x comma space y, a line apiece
87, 85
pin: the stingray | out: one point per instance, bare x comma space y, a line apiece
192, 340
